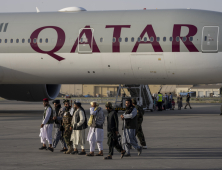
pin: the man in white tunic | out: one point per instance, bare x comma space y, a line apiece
47, 126
79, 124
129, 128
95, 134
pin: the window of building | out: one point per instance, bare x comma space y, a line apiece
29, 40
171, 38
164, 39
132, 39
120, 39
184, 39
114, 39
157, 39
126, 39
177, 39
138, 39
6, 40
191, 38
101, 39
40, 40
205, 38
17, 40
151, 39
23, 40
11, 41
145, 39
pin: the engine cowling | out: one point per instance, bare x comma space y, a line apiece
29, 92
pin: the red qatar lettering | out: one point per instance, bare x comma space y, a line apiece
88, 33
59, 44
150, 32
176, 33
116, 34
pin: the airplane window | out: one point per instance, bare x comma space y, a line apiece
177, 39
5, 40
34, 40
145, 39
114, 39
101, 39
151, 39
11, 40
171, 38
139, 39
126, 39
0, 40
17, 40
205, 38
158, 39
81, 40
191, 38
132, 39
120, 39
46, 40
40, 40
23, 40
184, 39
29, 40
164, 39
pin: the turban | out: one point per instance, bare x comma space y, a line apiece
65, 100
56, 101
46, 99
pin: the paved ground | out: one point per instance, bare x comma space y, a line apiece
186, 139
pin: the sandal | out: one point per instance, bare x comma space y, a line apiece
99, 154
108, 157
89, 154
122, 154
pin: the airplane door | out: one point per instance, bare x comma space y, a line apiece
85, 40
210, 36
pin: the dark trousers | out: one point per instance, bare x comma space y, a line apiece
58, 137
113, 144
188, 104
159, 106
140, 135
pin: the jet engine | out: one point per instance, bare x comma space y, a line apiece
29, 92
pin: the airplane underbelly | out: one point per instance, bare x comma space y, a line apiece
148, 66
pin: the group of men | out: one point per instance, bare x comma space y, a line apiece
70, 125
168, 102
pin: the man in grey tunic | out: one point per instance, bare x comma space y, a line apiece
58, 114
129, 128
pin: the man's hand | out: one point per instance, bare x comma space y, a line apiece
71, 128
42, 125
122, 117
54, 118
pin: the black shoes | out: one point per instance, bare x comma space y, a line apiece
63, 150
127, 155
51, 149
43, 148
74, 152
82, 153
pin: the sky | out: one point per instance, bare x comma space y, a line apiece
98, 5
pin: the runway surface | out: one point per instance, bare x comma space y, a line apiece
186, 139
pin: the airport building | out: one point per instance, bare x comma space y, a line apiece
92, 90
206, 90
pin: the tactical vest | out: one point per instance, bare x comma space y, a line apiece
50, 121
67, 119
84, 125
160, 98
130, 123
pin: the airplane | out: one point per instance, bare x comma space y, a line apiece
39, 51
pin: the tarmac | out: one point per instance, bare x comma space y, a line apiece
176, 139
